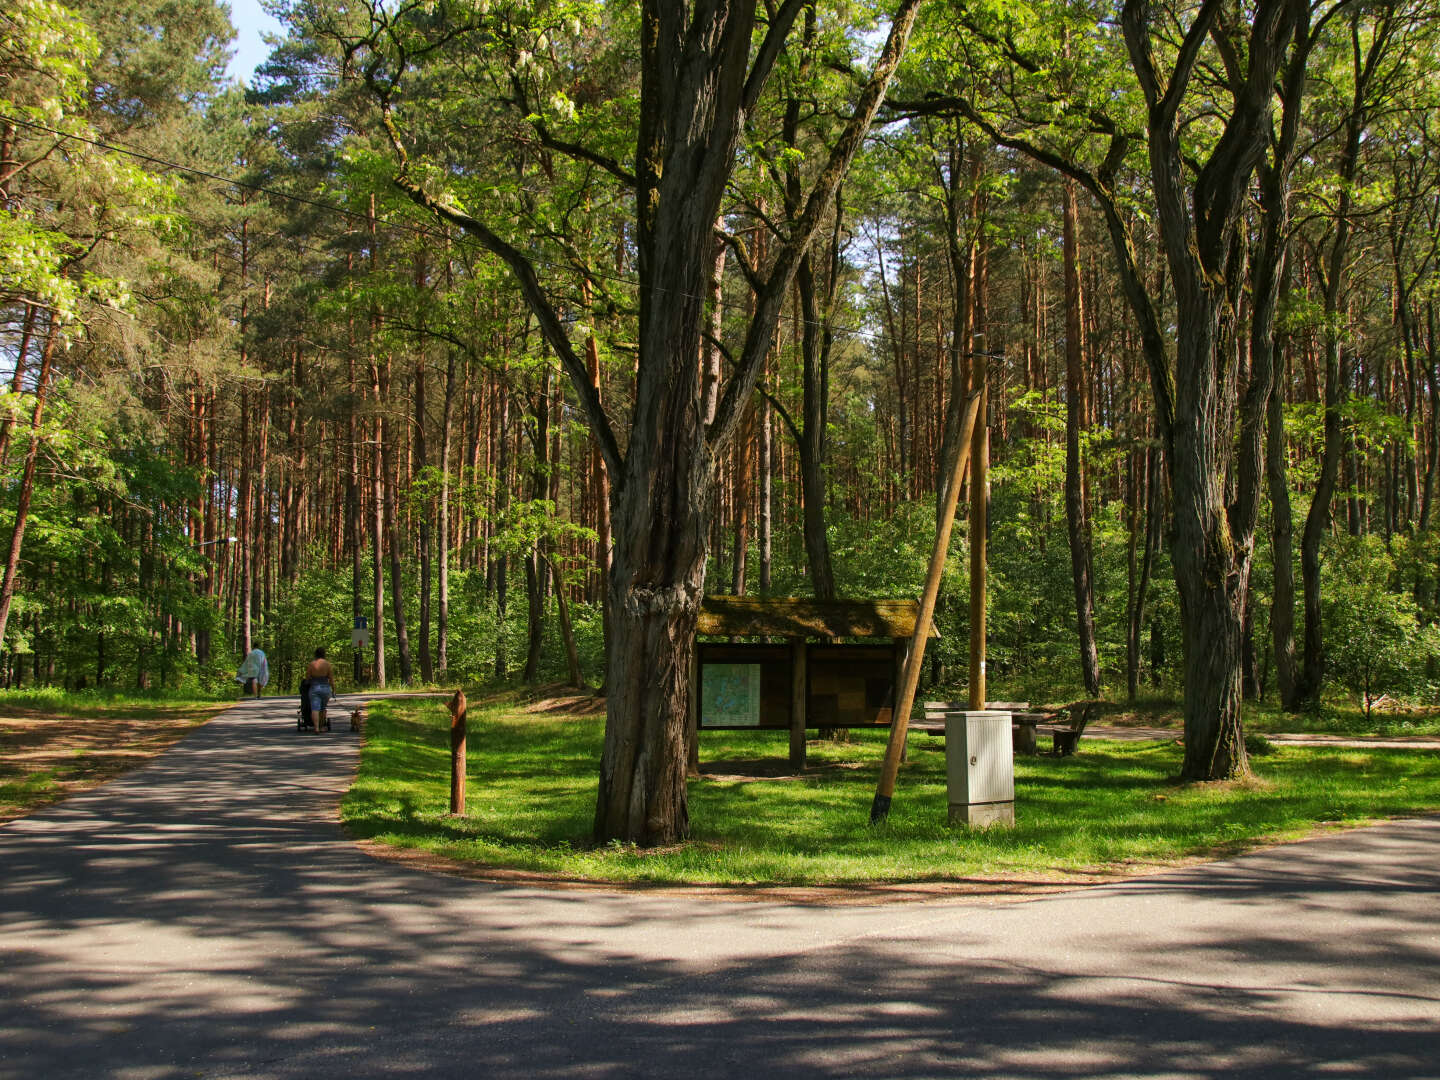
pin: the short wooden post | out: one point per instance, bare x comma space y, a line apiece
457, 753
798, 684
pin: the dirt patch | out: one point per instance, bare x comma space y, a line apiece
555, 699
46, 754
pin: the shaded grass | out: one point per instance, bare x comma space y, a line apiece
1110, 808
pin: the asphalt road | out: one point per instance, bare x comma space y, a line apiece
204, 916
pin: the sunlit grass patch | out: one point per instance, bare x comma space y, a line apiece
1112, 807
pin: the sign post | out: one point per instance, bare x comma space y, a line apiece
359, 641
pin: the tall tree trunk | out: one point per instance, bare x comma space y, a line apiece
392, 543
812, 443
442, 615
27, 479
1076, 517
500, 566
766, 522
1332, 268
743, 485
534, 558
1282, 546
421, 456
377, 537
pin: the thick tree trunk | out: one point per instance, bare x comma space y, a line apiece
1211, 575
656, 583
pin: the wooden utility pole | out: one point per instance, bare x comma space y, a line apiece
979, 482
900, 721
457, 753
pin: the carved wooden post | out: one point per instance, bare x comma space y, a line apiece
457, 753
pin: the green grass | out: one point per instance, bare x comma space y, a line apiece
1114, 806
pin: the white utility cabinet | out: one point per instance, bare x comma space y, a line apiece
980, 768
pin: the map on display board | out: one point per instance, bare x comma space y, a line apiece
730, 695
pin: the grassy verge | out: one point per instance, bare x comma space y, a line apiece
1110, 808
53, 744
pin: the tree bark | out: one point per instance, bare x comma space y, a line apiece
421, 454
27, 479
1076, 517
698, 83
442, 615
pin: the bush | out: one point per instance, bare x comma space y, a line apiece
1372, 626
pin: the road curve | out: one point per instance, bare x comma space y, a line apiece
204, 916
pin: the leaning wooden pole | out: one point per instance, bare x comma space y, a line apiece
979, 528
905, 700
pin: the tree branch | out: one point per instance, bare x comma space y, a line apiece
769, 52
771, 298
529, 282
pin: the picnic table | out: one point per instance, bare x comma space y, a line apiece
1064, 726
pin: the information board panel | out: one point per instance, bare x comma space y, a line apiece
730, 696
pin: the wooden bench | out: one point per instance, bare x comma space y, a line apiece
1066, 734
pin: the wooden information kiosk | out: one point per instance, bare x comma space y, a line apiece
809, 679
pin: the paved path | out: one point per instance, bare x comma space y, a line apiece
203, 916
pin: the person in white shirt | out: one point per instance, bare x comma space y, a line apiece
254, 671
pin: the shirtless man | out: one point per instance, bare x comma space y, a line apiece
321, 675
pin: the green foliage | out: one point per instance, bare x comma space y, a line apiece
1377, 644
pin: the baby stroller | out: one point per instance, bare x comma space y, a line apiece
306, 720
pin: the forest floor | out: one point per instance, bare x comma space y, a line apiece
49, 751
